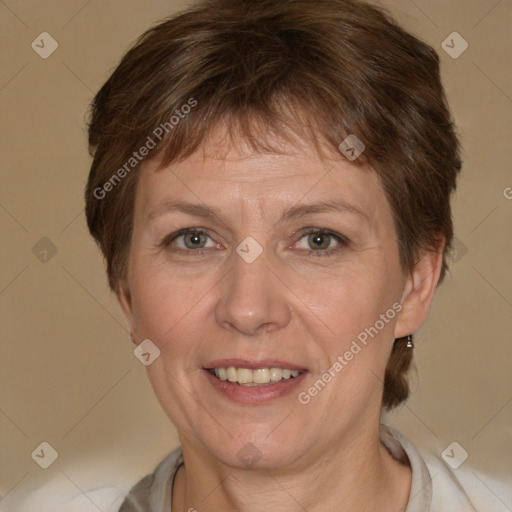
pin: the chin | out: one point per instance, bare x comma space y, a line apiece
258, 448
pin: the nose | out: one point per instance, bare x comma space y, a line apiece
253, 300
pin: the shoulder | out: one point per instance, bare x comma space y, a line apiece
435, 486
153, 492
465, 488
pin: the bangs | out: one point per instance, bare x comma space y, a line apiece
273, 127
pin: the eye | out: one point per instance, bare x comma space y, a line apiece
194, 239
321, 241
189, 239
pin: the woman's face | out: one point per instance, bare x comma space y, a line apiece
288, 261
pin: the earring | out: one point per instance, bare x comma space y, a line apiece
410, 343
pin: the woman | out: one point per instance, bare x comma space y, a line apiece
271, 190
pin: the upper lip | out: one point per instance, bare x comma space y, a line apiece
253, 364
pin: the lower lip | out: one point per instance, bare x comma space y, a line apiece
255, 394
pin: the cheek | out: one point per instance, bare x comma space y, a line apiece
352, 318
354, 335
347, 301
166, 302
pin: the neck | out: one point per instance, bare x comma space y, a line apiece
359, 475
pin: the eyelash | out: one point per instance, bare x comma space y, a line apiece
321, 253
342, 241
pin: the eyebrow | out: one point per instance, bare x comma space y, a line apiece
295, 212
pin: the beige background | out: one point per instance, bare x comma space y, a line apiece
68, 374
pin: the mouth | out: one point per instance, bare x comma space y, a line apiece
254, 377
254, 382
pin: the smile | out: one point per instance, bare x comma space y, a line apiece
254, 377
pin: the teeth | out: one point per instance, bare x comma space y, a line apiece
221, 373
232, 374
244, 376
248, 377
261, 376
276, 374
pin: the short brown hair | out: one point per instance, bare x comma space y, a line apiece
319, 69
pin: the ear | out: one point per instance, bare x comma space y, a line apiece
125, 301
419, 291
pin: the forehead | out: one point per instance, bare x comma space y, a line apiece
233, 175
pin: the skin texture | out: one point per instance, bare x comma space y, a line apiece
290, 304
